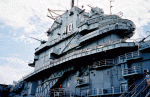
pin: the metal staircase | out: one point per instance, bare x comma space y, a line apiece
127, 90
140, 90
145, 92
148, 94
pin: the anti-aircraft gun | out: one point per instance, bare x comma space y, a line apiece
144, 38
42, 41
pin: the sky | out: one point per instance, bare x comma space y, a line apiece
22, 19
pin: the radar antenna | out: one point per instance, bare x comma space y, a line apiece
42, 41
54, 15
72, 3
111, 5
91, 8
120, 14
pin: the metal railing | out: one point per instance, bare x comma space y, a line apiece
52, 63
60, 92
84, 51
147, 92
107, 91
137, 89
97, 19
144, 45
132, 55
129, 56
132, 71
128, 90
82, 81
106, 62
121, 58
113, 20
110, 21
44, 89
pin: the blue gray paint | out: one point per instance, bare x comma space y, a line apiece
88, 55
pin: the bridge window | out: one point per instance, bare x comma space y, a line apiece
70, 27
68, 84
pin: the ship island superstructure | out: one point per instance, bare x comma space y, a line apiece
88, 55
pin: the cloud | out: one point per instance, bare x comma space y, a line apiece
22, 37
27, 18
2, 80
28, 40
17, 13
27, 14
13, 69
136, 11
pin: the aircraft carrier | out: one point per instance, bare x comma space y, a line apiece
88, 54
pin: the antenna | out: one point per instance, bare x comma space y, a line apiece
111, 5
89, 6
53, 14
120, 14
72, 3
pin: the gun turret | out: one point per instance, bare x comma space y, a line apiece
42, 41
95, 10
91, 8
144, 38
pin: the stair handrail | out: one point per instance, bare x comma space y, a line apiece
145, 89
126, 90
136, 87
147, 95
141, 89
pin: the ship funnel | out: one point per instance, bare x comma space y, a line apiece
72, 3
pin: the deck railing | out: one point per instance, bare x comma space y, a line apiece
59, 92
144, 45
82, 81
129, 56
53, 63
112, 20
132, 71
128, 90
107, 91
85, 50
106, 62
132, 55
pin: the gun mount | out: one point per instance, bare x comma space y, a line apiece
144, 38
42, 41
